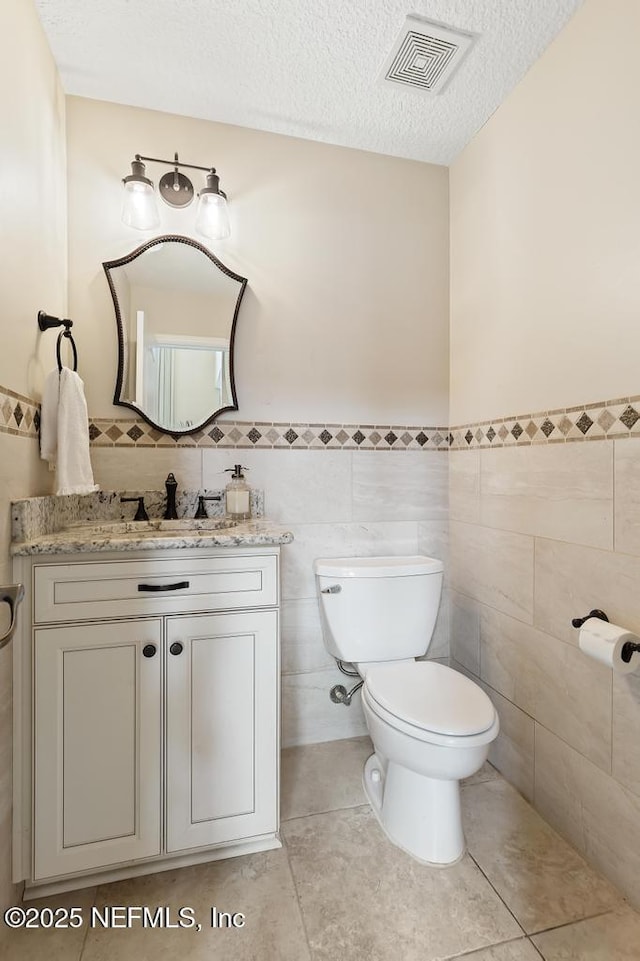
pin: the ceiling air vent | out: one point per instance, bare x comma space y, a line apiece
426, 55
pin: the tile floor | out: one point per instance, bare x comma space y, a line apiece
339, 891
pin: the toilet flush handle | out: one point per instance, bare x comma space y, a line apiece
333, 589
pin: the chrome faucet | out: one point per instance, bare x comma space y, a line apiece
171, 484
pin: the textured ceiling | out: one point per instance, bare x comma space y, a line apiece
307, 68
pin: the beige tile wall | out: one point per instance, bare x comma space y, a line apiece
337, 503
516, 574
540, 535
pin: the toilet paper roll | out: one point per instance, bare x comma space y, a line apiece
605, 641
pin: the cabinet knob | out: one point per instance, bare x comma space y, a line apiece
149, 650
176, 647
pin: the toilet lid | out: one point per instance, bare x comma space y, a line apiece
432, 697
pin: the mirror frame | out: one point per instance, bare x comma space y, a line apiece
109, 265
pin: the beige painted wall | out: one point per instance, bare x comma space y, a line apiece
32, 276
33, 271
346, 315
545, 207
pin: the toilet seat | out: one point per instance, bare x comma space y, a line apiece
431, 702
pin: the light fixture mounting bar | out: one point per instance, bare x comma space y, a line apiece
172, 163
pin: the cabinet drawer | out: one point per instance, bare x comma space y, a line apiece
71, 592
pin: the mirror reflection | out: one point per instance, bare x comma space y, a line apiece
176, 308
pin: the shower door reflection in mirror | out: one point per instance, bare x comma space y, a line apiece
176, 309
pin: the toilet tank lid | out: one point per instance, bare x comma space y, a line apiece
376, 566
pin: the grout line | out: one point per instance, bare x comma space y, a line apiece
479, 512
303, 672
569, 924
613, 495
533, 588
303, 923
88, 926
536, 948
478, 611
613, 521
487, 947
489, 780
535, 779
612, 729
351, 491
492, 885
313, 814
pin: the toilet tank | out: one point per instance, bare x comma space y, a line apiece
378, 608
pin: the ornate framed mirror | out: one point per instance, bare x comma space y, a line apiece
176, 309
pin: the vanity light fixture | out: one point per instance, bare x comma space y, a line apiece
140, 207
212, 217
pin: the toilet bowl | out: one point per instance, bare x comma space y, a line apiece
430, 725
430, 729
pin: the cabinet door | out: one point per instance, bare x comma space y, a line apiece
222, 715
97, 745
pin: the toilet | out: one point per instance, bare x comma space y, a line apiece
430, 725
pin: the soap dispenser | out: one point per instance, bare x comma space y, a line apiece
238, 495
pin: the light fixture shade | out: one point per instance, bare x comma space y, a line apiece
212, 216
139, 206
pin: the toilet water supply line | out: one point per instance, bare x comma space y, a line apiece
339, 693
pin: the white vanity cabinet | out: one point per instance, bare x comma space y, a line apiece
147, 714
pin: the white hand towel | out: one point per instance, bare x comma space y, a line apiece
67, 444
49, 418
73, 466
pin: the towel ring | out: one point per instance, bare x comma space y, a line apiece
66, 333
46, 321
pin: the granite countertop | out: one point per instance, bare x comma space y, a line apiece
100, 522
259, 533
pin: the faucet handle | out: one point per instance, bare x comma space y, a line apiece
141, 514
202, 510
171, 485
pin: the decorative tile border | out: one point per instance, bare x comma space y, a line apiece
244, 435
19, 415
617, 418
605, 420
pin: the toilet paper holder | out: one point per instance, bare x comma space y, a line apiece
628, 649
579, 621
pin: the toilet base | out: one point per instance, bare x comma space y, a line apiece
421, 815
